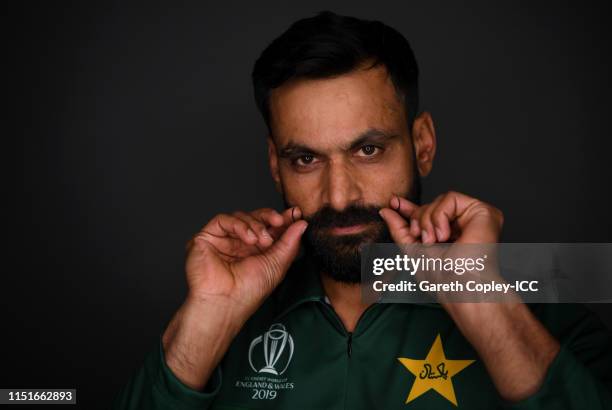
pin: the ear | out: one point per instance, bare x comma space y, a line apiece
424, 140
273, 163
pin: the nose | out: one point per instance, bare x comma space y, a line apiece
341, 187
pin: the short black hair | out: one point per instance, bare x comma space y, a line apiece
328, 45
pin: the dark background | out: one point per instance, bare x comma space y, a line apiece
137, 125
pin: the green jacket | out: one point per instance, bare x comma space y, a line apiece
294, 353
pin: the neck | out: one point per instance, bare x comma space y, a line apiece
346, 300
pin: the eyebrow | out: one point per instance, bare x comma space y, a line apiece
372, 135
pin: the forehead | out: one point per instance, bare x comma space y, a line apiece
331, 111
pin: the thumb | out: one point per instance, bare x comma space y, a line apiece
286, 248
199, 251
398, 227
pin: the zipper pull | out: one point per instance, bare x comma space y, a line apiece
349, 344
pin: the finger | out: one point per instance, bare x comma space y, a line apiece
454, 207
441, 217
428, 231
428, 235
415, 227
398, 226
229, 242
455, 204
273, 218
295, 213
285, 249
408, 210
403, 206
227, 247
277, 222
264, 238
268, 216
289, 216
224, 225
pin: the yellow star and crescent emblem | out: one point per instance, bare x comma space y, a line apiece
435, 372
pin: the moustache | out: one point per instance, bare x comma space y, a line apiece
327, 217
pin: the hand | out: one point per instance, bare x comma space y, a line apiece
242, 257
503, 334
232, 265
451, 217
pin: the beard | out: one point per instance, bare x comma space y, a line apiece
339, 256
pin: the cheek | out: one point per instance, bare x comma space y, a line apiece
388, 178
383, 187
301, 190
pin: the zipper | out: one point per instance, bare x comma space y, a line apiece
349, 344
349, 341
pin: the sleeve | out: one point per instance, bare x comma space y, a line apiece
155, 387
580, 375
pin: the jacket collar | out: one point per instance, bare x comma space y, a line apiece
301, 285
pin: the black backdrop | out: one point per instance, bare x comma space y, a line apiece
138, 126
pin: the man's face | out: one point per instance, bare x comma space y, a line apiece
340, 150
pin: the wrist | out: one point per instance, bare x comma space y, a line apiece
223, 314
514, 346
197, 338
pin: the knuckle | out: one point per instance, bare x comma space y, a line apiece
242, 216
256, 214
500, 216
456, 195
197, 242
426, 211
200, 236
425, 220
437, 216
256, 223
233, 219
251, 217
221, 217
491, 211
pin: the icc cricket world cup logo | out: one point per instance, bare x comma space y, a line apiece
277, 346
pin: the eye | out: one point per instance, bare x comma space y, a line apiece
369, 150
304, 159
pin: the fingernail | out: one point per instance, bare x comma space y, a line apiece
380, 212
304, 226
251, 234
296, 213
425, 236
396, 203
265, 233
439, 233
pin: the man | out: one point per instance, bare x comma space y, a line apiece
261, 328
